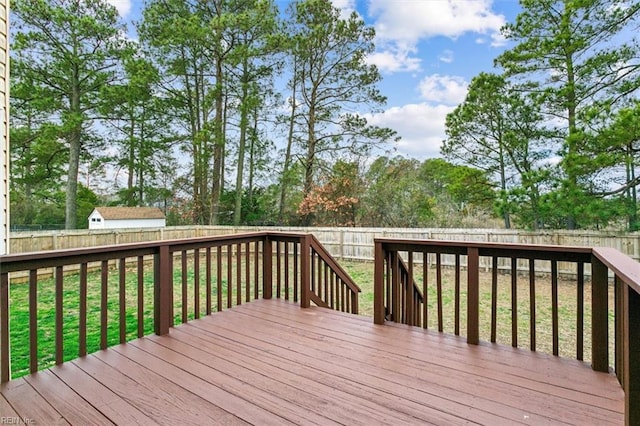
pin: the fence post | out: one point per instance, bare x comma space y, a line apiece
163, 291
473, 296
5, 360
378, 284
267, 269
632, 356
600, 315
305, 271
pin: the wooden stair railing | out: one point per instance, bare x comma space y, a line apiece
329, 284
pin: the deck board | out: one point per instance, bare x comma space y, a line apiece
270, 362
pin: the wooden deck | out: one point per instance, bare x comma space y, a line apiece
271, 362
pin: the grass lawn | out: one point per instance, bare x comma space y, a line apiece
362, 273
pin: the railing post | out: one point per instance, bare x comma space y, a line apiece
600, 315
305, 271
632, 356
267, 268
378, 284
5, 360
473, 296
163, 291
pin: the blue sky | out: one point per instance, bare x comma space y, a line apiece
427, 51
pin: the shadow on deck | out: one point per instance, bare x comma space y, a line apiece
270, 362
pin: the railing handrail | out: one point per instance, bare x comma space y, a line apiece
623, 266
330, 260
554, 252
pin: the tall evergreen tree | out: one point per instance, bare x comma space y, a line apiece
69, 50
572, 55
334, 83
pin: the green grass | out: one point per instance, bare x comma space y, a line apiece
361, 272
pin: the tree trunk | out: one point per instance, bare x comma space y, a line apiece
218, 151
284, 179
74, 138
244, 123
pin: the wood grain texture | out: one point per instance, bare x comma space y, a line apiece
270, 362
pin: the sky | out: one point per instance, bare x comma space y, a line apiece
427, 52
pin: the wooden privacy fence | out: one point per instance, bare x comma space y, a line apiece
401, 288
343, 243
150, 281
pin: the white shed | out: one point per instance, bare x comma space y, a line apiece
126, 217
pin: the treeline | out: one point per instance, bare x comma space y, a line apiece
233, 111
187, 114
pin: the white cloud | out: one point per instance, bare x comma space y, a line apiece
401, 24
123, 6
346, 7
390, 61
421, 127
410, 21
446, 56
445, 89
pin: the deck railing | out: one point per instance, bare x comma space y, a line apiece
107, 295
401, 295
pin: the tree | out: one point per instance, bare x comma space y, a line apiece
256, 26
334, 83
69, 50
175, 33
569, 54
500, 132
394, 195
138, 119
620, 152
335, 203
37, 153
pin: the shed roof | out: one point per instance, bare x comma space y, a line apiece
119, 213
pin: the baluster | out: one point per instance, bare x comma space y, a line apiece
33, 320
278, 270
286, 270
247, 271
229, 276
104, 281
425, 289
196, 283
256, 262
82, 326
59, 316
183, 265
439, 290
514, 302
122, 284
208, 278
599, 315
494, 298
457, 297
219, 278
296, 259
473, 296
580, 313
532, 303
554, 306
239, 274
140, 270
